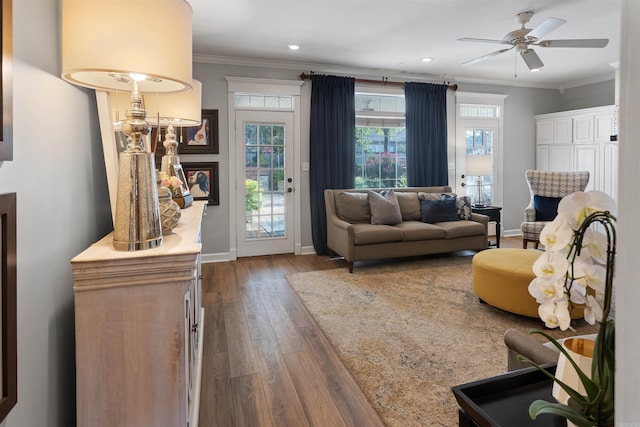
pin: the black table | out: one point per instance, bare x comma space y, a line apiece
493, 212
503, 401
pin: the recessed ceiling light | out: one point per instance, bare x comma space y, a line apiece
427, 59
294, 47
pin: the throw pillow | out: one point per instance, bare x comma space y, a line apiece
438, 210
409, 205
463, 205
546, 207
353, 207
429, 196
385, 209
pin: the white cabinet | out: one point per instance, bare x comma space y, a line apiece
138, 323
579, 140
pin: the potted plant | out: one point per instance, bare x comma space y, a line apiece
578, 262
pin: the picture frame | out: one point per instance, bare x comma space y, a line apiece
6, 82
203, 180
202, 139
8, 318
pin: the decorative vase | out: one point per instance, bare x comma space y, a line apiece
581, 351
169, 210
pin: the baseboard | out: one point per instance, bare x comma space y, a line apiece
226, 256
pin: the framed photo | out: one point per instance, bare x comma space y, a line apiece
201, 139
8, 319
203, 180
6, 81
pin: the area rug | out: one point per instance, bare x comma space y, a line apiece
408, 331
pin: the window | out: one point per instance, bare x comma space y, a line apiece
381, 149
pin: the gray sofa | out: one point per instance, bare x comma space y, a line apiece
353, 234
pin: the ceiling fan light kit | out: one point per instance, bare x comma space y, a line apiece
522, 39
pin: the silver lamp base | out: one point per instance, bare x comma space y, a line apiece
137, 225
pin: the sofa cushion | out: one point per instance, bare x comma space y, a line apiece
367, 234
353, 207
384, 208
457, 229
409, 205
417, 230
546, 207
438, 210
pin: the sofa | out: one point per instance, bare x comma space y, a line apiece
401, 222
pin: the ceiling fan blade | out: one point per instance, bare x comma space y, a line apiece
532, 59
545, 27
574, 43
489, 55
470, 39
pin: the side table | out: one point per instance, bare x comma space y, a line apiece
493, 212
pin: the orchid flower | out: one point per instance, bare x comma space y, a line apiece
557, 235
551, 266
594, 243
577, 206
544, 290
592, 310
555, 315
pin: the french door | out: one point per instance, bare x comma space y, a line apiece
265, 200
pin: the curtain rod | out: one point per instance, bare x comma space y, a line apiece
384, 81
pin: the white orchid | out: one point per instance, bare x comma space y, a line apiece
570, 270
557, 235
551, 266
577, 206
544, 290
592, 310
594, 243
555, 314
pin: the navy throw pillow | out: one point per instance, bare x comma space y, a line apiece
438, 210
546, 207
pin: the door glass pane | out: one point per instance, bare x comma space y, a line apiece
265, 180
480, 141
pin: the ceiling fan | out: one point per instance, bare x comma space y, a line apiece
523, 38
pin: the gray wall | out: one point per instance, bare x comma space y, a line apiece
58, 175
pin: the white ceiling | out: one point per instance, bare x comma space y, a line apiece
390, 37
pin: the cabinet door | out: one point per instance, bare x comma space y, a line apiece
544, 131
587, 158
583, 129
542, 157
561, 158
562, 131
603, 127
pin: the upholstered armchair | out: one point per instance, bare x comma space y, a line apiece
547, 188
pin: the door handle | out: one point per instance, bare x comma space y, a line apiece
289, 190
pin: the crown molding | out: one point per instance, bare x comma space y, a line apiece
388, 74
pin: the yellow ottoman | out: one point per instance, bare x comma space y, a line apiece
501, 278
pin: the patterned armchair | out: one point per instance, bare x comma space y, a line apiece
547, 185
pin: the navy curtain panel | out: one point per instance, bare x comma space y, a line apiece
426, 118
332, 143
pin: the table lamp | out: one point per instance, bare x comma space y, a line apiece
480, 165
167, 110
123, 45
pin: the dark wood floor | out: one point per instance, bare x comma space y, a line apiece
265, 361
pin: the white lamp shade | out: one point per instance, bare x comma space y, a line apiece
479, 165
101, 38
181, 109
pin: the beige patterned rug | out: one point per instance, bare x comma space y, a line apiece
410, 330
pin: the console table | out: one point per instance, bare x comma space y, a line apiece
493, 212
503, 401
138, 322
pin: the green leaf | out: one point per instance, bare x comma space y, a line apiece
543, 407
